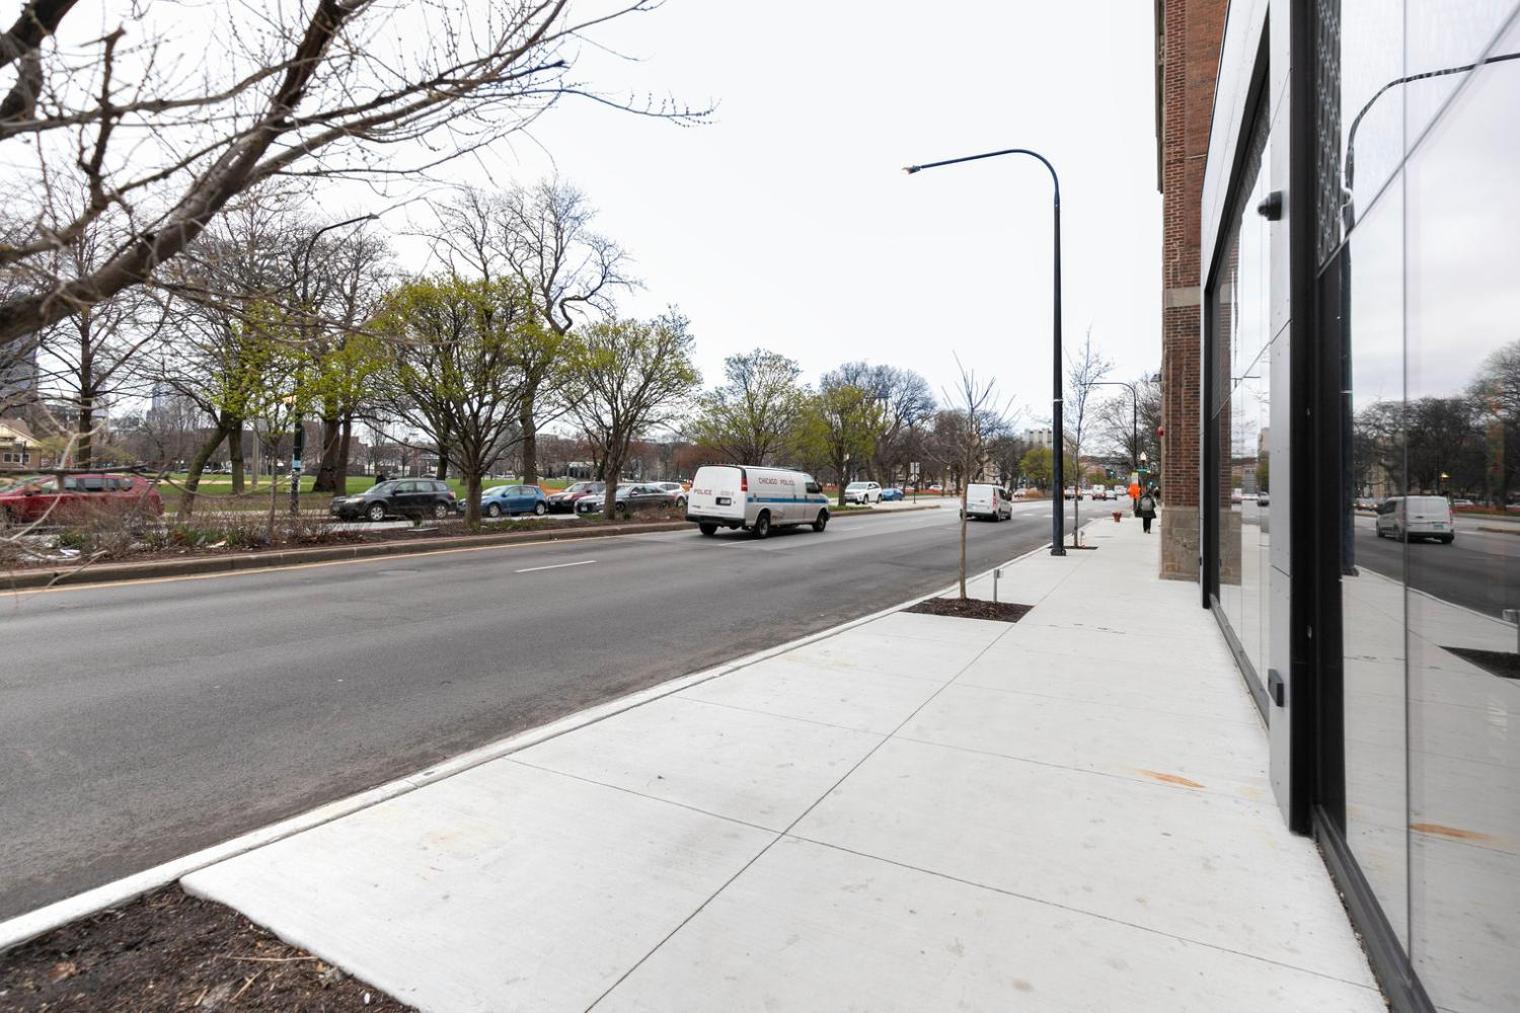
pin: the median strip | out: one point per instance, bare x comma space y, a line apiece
51, 577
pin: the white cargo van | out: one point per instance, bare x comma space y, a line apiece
755, 499
988, 501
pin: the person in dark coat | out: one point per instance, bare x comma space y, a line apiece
1148, 508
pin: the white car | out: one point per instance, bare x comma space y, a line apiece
988, 502
862, 492
677, 492
755, 499
1406, 517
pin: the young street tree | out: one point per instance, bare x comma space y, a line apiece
452, 372
751, 417
336, 88
542, 237
979, 417
631, 376
1084, 367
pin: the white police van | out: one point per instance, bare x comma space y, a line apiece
755, 499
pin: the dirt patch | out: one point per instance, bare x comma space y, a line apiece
971, 608
170, 951
1504, 664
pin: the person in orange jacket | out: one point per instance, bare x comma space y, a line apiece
1134, 495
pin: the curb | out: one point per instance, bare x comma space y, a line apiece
21, 928
110, 573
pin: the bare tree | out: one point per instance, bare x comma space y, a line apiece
751, 417
330, 88
978, 417
542, 237
225, 289
633, 376
1084, 367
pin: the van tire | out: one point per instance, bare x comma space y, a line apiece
762, 526
708, 529
1448, 539
822, 521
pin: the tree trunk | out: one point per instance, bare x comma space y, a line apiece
84, 455
839, 470
327, 470
235, 454
198, 465
271, 448
609, 496
345, 446
472, 498
964, 520
529, 443
443, 467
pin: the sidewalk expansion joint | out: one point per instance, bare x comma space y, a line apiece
790, 826
1080, 911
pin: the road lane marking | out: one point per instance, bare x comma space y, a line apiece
554, 566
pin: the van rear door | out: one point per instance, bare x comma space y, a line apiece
716, 492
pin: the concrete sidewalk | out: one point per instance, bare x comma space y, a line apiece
917, 814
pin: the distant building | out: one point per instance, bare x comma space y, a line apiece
18, 379
1038, 437
18, 447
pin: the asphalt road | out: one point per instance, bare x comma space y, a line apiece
1479, 570
141, 722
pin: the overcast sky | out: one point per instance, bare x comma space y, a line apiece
786, 221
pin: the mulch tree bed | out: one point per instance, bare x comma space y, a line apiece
1504, 664
971, 608
170, 951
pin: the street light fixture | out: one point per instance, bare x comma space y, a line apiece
1057, 430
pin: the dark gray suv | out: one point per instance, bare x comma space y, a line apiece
402, 497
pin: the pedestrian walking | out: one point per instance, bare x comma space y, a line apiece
1134, 496
1148, 508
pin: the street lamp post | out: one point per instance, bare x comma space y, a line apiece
298, 434
1057, 501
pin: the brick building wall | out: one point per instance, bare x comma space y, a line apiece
1189, 33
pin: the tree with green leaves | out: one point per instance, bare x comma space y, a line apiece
452, 371
750, 418
631, 377
838, 429
1035, 465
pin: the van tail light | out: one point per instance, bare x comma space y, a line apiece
744, 483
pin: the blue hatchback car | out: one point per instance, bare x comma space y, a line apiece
514, 499
891, 495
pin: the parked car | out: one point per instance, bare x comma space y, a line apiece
1262, 499
864, 493
891, 495
404, 497
630, 499
676, 491
58, 499
514, 499
563, 502
1406, 517
985, 501
755, 499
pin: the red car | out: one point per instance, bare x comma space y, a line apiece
31, 499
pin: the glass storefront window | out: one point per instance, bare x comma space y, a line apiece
1462, 251
1239, 406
